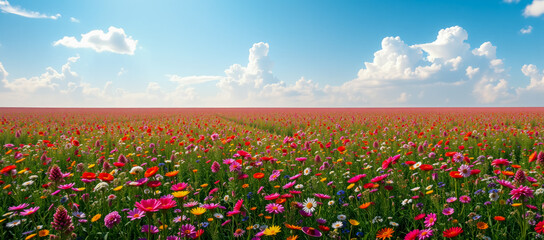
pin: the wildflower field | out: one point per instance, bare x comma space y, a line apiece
272, 173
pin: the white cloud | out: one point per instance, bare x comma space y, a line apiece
121, 72
535, 9
526, 30
74, 20
536, 78
115, 40
51, 79
8, 8
511, 1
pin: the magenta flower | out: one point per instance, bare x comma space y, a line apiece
30, 211
66, 186
19, 207
310, 231
356, 178
275, 174
274, 208
167, 202
412, 235
289, 185
179, 186
112, 219
506, 183
522, 192
448, 211
379, 178
148, 205
150, 228
430, 220
187, 230
464, 199
322, 196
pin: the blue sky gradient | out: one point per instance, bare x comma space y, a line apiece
325, 42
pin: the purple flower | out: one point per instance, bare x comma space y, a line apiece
150, 228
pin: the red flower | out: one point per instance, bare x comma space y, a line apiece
106, 177
455, 174
118, 164
539, 227
88, 175
7, 169
151, 171
324, 228
426, 167
258, 175
453, 232
341, 149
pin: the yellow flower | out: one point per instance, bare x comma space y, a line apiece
198, 211
96, 217
180, 194
91, 166
30, 236
323, 179
43, 233
354, 222
351, 186
118, 188
7, 186
271, 231
516, 204
162, 227
429, 192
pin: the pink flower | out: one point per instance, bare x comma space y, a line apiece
430, 220
274, 208
379, 178
135, 214
29, 211
272, 196
506, 183
500, 162
322, 196
448, 211
19, 207
148, 205
412, 235
167, 202
464, 199
289, 185
424, 234
112, 219
521, 192
66, 186
356, 178
179, 186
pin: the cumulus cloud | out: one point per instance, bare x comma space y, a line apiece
51, 79
6, 7
115, 40
74, 20
535, 9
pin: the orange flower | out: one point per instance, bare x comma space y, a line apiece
171, 174
293, 227
507, 173
365, 205
151, 171
385, 233
258, 175
516, 166
482, 225
455, 174
280, 200
106, 177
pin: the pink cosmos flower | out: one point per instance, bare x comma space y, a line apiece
448, 211
424, 234
167, 202
272, 196
135, 214
430, 220
500, 162
29, 211
356, 178
464, 199
322, 196
289, 185
19, 207
66, 186
274, 208
412, 235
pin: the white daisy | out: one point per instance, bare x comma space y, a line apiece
337, 224
309, 205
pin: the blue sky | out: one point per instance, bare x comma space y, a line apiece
272, 53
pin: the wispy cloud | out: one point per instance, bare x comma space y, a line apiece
8, 8
526, 30
74, 20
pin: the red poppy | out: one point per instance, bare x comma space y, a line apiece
475, 171
258, 175
106, 177
341, 149
368, 185
151, 171
410, 163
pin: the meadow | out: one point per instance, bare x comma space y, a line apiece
423, 173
